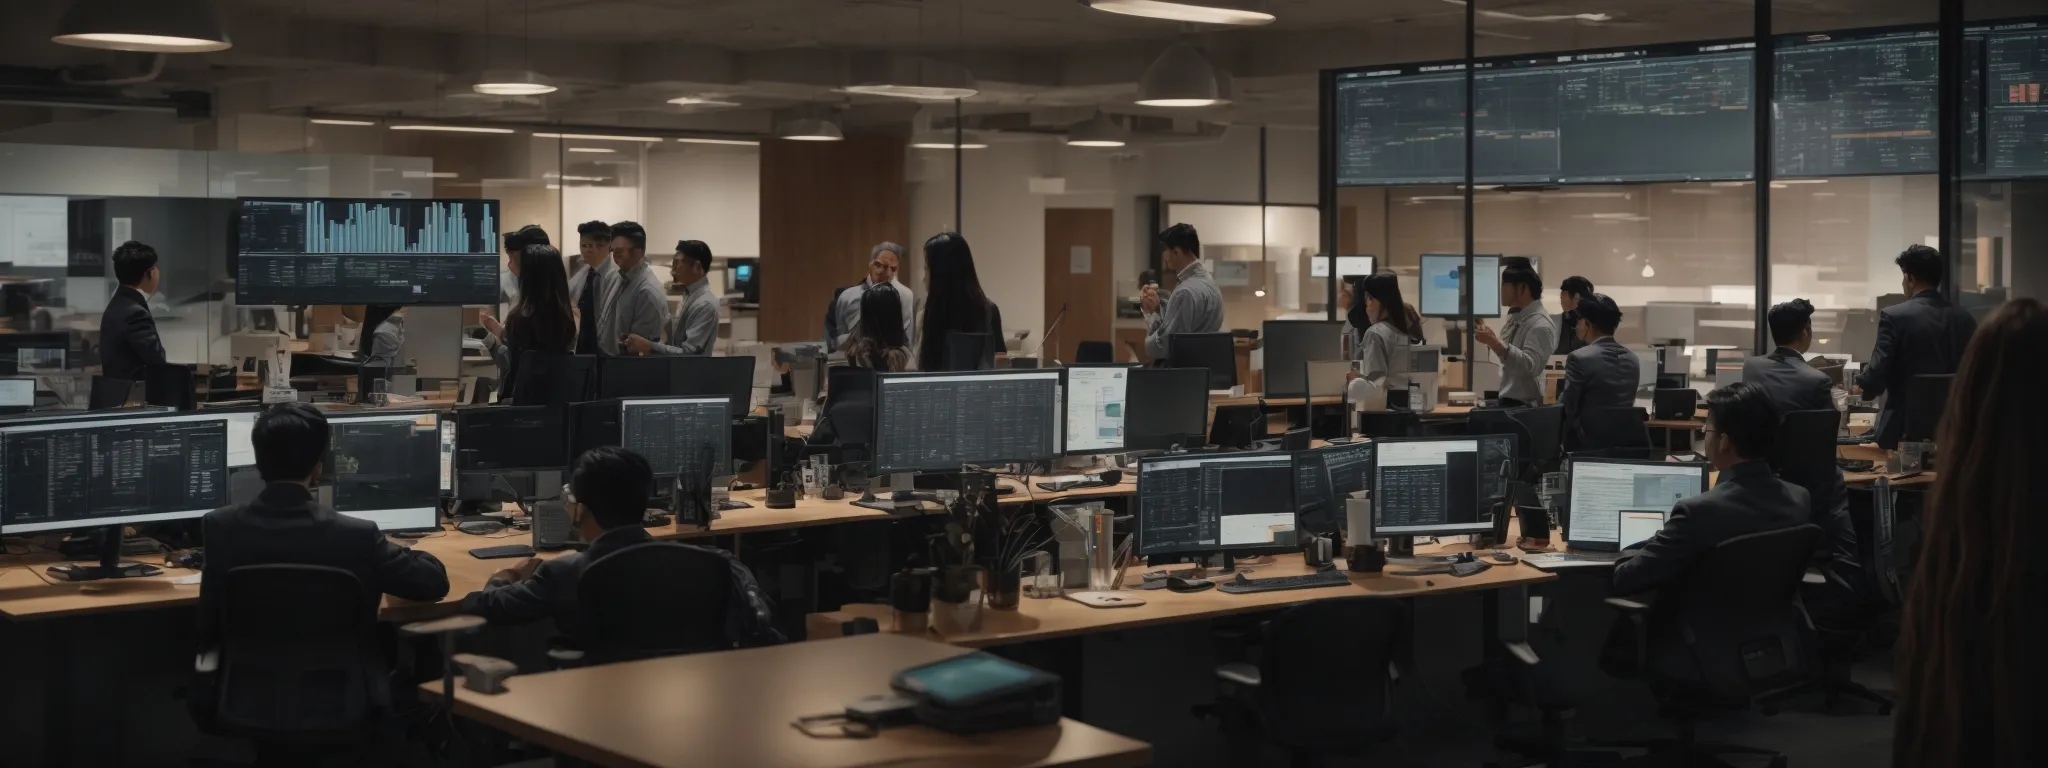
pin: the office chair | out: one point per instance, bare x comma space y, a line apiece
1388, 423
108, 394
1090, 352
1620, 427
1804, 452
654, 599
170, 385
553, 379
847, 422
968, 351
299, 669
1546, 434
1732, 634
1237, 426
1846, 615
1214, 351
1321, 685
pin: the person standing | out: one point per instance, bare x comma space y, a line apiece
1793, 385
383, 335
1195, 306
1568, 294
1387, 331
634, 303
1601, 374
954, 302
844, 318
128, 340
588, 285
542, 322
879, 343
1968, 667
1531, 335
695, 328
1924, 334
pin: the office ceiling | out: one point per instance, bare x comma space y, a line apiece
1041, 63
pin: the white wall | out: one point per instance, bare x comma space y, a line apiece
704, 192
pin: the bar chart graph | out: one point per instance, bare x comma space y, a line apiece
432, 227
367, 251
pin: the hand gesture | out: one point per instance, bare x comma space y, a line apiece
1485, 335
637, 345
491, 324
1150, 300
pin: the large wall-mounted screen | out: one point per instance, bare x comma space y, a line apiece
366, 251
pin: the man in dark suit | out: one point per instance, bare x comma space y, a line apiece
608, 492
1922, 335
1568, 294
1793, 385
1602, 374
128, 340
284, 525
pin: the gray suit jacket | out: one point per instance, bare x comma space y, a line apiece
1922, 335
1748, 499
1603, 374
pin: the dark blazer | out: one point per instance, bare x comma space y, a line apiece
285, 525
1794, 385
551, 591
128, 340
1749, 498
1921, 335
1567, 335
1603, 374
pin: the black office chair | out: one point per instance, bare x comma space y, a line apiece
1214, 351
1092, 352
1804, 452
1321, 685
1846, 616
1732, 633
1389, 423
1546, 435
108, 394
553, 379
299, 669
968, 351
1237, 426
847, 422
1620, 427
653, 599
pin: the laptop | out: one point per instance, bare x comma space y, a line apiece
1614, 504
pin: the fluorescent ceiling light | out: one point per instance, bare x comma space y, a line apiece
1238, 12
1183, 77
593, 150
448, 128
944, 140
911, 77
429, 174
150, 26
512, 82
1097, 131
339, 121
599, 137
734, 142
809, 129
310, 168
701, 101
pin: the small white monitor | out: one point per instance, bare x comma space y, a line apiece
1638, 525
1095, 408
18, 393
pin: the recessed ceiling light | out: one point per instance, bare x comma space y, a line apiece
1183, 77
593, 150
599, 137
1238, 12
150, 26
701, 101
310, 168
339, 121
448, 128
512, 82
734, 142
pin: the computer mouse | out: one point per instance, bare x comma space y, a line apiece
1178, 584
480, 527
1503, 557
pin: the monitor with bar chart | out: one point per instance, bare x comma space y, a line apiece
366, 251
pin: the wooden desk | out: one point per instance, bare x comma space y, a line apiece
734, 708
1693, 425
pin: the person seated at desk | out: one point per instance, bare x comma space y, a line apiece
607, 502
878, 343
128, 340
284, 525
694, 330
1793, 385
1386, 330
1923, 335
1602, 374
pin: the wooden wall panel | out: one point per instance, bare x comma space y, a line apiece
824, 204
1090, 298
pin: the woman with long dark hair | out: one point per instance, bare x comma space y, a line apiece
542, 321
954, 302
878, 342
1969, 669
1386, 329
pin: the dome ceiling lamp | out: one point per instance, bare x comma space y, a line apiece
1183, 77
147, 26
1244, 13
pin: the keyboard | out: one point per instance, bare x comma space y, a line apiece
1547, 561
495, 553
1242, 585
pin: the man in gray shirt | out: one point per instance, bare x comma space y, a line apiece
1195, 306
883, 262
1531, 336
634, 303
695, 330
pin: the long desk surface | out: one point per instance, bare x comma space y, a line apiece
734, 708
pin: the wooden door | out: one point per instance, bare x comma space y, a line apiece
1079, 255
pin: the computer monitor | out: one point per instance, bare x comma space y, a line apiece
1442, 286
385, 466
1290, 345
1439, 486
1598, 491
1231, 503
1168, 407
17, 395
939, 422
1324, 478
674, 433
1097, 408
509, 438
746, 279
652, 376
111, 470
731, 377
1216, 352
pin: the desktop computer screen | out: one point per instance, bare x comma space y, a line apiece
1289, 346
1097, 405
509, 437
1443, 279
447, 455
1599, 491
139, 468
937, 422
1440, 486
386, 467
17, 395
1168, 407
1228, 502
674, 432
731, 376
1324, 478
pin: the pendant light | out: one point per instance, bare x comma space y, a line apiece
1249, 13
809, 129
150, 26
1183, 77
911, 77
511, 82
1097, 131
944, 140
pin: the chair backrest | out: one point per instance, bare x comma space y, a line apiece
299, 659
554, 378
653, 599
1323, 676
1804, 453
1618, 427
108, 393
1546, 434
1237, 426
967, 351
1214, 351
1496, 421
171, 385
1680, 402
1739, 610
850, 404
1090, 352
